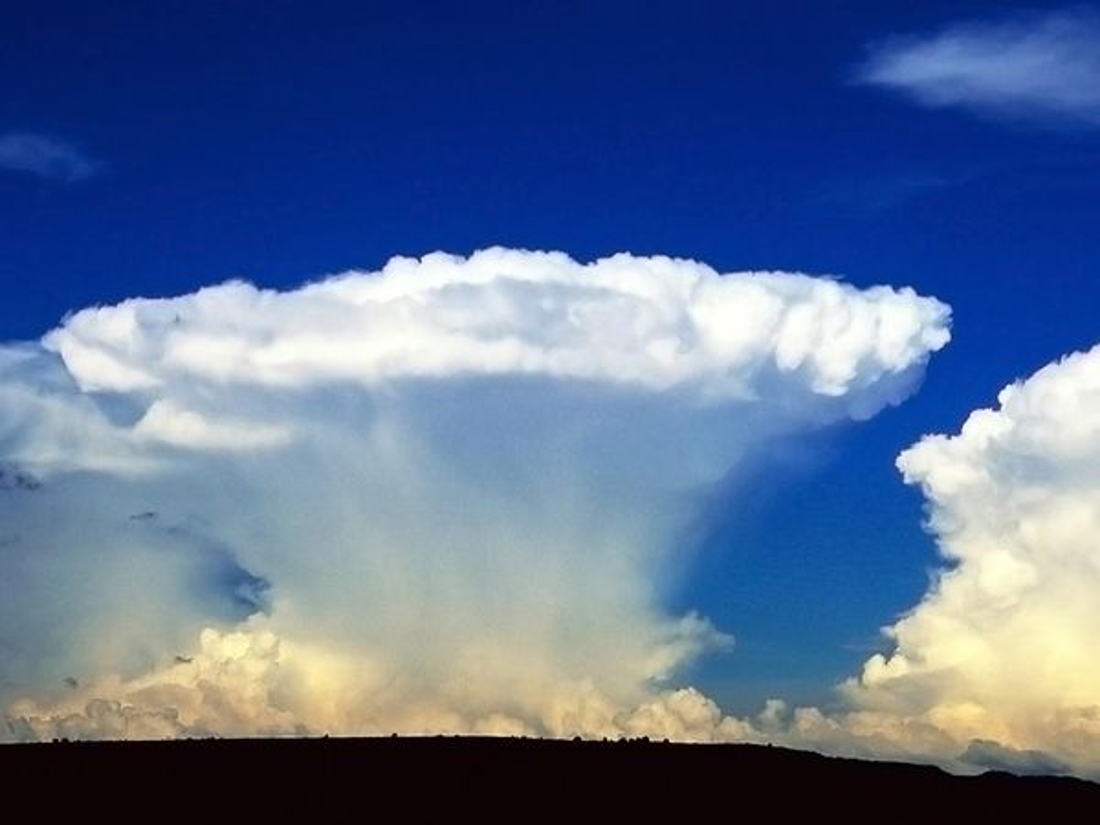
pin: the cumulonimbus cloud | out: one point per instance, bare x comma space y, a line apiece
45, 156
445, 496
1035, 67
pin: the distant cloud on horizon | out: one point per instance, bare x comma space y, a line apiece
1036, 67
45, 156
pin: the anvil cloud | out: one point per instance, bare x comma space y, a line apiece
449, 495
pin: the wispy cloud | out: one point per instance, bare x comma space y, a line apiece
45, 156
1034, 67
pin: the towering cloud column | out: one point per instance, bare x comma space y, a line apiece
446, 496
999, 658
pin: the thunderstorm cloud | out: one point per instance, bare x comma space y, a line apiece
449, 495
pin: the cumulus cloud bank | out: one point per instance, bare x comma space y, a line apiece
996, 667
1032, 66
1003, 646
445, 496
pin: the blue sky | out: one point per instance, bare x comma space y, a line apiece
149, 149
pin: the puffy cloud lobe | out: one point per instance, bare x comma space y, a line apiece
440, 497
1001, 650
995, 668
1036, 66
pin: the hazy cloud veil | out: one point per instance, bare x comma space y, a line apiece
45, 156
444, 496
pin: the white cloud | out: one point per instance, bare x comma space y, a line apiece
45, 156
1003, 646
166, 422
996, 667
470, 534
1044, 67
653, 323
446, 496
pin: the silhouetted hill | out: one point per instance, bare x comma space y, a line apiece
496, 778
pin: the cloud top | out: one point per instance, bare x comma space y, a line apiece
1043, 67
44, 156
657, 323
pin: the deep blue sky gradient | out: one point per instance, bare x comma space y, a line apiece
279, 141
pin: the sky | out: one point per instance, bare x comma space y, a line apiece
600, 369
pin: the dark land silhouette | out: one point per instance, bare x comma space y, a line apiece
507, 778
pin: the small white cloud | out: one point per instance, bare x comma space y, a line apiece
1034, 67
167, 422
45, 156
